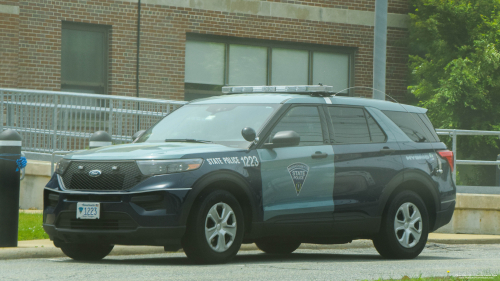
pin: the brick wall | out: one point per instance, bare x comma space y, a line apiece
9, 48
163, 36
397, 63
399, 6
40, 41
361, 5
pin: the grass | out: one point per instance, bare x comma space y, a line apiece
30, 227
451, 278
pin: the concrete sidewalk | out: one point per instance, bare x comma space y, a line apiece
45, 248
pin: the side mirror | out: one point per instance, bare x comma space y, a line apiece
137, 134
284, 139
248, 134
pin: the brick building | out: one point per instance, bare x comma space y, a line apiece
190, 48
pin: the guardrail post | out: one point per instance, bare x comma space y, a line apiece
454, 156
2, 111
54, 124
110, 121
10, 153
497, 183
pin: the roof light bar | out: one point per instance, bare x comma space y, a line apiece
278, 89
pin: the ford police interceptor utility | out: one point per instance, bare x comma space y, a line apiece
274, 165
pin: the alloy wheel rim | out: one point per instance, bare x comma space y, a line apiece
220, 227
408, 225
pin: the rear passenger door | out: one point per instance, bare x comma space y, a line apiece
365, 162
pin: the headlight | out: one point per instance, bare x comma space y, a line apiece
158, 167
62, 165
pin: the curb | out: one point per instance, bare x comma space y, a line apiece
45, 248
48, 250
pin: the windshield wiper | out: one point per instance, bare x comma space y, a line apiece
188, 140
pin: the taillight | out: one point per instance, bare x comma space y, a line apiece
448, 155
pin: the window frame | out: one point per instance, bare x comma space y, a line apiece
366, 113
280, 114
207, 89
106, 31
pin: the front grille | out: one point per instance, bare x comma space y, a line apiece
108, 221
125, 176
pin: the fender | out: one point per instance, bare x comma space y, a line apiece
224, 175
406, 176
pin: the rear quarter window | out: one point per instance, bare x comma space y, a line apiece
415, 125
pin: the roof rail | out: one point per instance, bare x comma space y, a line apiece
312, 90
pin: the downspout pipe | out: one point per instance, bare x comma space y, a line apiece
380, 49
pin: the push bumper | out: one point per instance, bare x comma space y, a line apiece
146, 218
156, 236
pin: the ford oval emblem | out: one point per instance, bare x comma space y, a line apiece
95, 173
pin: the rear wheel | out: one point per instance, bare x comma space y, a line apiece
215, 229
404, 229
86, 252
277, 246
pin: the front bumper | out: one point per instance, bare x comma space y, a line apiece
145, 218
155, 236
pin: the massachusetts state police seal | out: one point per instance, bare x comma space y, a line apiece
298, 172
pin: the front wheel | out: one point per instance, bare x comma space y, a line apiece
86, 252
404, 229
215, 229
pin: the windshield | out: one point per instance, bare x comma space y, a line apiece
218, 123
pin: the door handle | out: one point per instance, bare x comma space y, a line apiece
387, 150
319, 154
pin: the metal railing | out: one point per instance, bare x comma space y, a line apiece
454, 134
51, 121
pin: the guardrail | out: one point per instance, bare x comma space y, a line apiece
51, 121
454, 134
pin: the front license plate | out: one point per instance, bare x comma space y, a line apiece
88, 210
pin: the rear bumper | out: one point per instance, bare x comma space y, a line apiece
444, 216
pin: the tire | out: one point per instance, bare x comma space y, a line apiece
403, 234
277, 246
215, 228
86, 252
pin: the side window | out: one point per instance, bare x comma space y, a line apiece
349, 125
376, 133
412, 125
305, 121
354, 125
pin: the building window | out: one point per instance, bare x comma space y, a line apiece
216, 61
84, 58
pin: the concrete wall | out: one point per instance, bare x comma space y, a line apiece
37, 176
474, 213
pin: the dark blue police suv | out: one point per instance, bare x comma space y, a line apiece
274, 165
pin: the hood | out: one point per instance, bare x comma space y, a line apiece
144, 151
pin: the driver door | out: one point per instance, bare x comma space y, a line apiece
297, 182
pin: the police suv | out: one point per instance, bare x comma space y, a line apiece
273, 165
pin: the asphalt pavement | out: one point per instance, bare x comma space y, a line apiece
46, 249
355, 262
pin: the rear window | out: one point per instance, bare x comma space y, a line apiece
415, 125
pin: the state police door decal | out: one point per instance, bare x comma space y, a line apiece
298, 172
